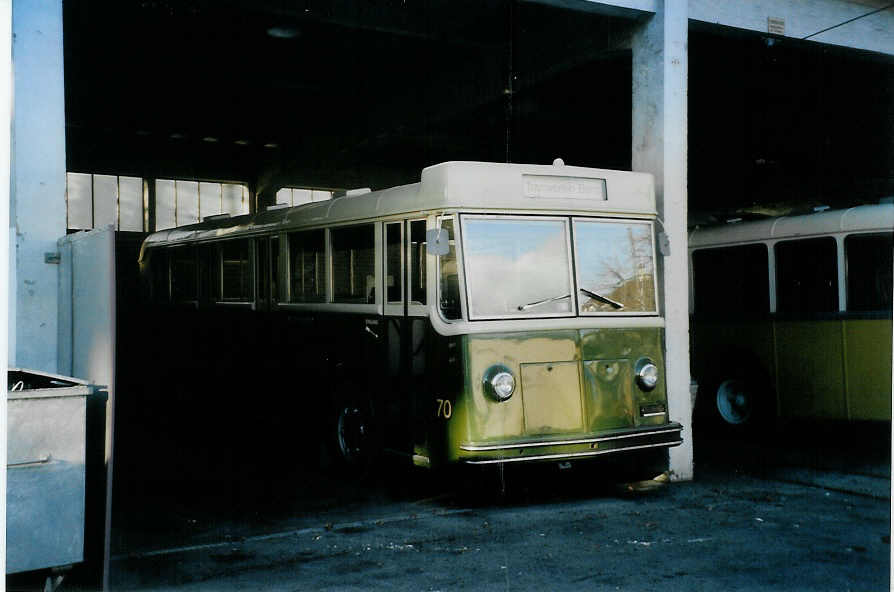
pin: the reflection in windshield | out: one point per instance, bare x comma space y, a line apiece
614, 260
515, 264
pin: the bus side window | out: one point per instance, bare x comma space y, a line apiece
807, 275
307, 261
236, 271
208, 273
731, 280
160, 288
417, 262
184, 276
869, 271
353, 264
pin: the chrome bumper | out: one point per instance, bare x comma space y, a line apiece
626, 440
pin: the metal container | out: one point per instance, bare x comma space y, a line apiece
45, 470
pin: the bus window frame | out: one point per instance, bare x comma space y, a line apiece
577, 284
250, 302
535, 314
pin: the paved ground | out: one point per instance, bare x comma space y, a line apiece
812, 518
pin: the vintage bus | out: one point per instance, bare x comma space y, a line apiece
490, 313
791, 318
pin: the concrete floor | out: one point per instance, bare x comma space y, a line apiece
791, 515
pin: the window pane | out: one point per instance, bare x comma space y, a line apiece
353, 264
307, 258
183, 274
807, 275
448, 291
869, 271
164, 204
301, 196
234, 198
393, 275
517, 267
320, 195
209, 199
105, 201
79, 194
284, 196
417, 262
187, 202
615, 270
731, 280
236, 270
130, 203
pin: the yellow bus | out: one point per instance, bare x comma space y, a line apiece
490, 313
791, 317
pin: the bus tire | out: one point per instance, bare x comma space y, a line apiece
737, 404
354, 438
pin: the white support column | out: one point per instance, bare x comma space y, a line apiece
37, 203
660, 63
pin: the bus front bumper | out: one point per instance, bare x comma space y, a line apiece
550, 449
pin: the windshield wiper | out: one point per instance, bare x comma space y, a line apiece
539, 302
602, 299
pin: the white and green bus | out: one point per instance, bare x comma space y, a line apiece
791, 318
490, 313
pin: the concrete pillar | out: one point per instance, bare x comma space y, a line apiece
37, 204
660, 63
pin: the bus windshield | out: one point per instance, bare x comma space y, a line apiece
521, 266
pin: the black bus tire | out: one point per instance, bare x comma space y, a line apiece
353, 436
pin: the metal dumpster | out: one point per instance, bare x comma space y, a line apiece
45, 471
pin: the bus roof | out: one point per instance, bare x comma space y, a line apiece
866, 218
478, 186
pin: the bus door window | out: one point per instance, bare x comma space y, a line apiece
394, 265
416, 258
807, 275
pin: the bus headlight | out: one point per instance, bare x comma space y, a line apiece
646, 374
499, 383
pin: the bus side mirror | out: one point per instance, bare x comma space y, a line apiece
437, 241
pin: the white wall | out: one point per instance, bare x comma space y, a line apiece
37, 204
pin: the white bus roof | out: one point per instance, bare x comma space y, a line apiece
477, 186
868, 218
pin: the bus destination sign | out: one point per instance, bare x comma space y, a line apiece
555, 187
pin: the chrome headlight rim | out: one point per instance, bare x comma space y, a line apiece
495, 381
647, 374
